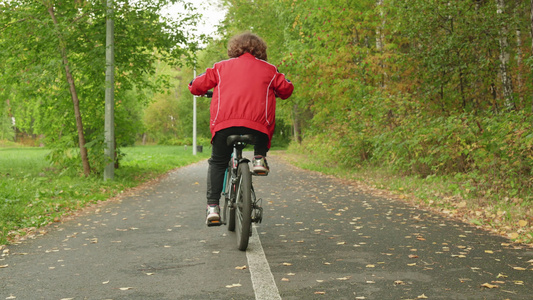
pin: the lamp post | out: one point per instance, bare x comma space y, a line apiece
109, 171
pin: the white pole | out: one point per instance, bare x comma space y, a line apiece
194, 121
109, 122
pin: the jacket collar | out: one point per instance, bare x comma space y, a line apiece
247, 55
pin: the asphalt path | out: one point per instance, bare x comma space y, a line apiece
321, 238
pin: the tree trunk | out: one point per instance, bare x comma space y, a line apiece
531, 33
75, 100
380, 40
296, 125
519, 80
504, 59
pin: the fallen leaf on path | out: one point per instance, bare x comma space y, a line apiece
490, 286
233, 285
3, 266
344, 278
240, 268
519, 268
413, 256
399, 282
320, 293
500, 275
287, 264
125, 288
422, 297
105, 282
285, 279
11, 297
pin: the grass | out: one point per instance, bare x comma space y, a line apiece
512, 218
34, 194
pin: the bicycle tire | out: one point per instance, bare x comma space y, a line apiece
243, 207
228, 213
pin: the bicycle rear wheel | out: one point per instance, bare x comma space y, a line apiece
243, 207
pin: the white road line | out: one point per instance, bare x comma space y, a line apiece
262, 279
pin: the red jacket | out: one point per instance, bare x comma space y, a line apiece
244, 93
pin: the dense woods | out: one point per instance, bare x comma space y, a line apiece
428, 88
425, 88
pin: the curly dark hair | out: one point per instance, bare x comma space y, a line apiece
247, 42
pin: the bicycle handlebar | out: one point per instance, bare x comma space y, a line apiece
208, 94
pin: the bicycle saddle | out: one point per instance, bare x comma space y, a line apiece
247, 138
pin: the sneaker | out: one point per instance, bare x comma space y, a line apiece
213, 214
260, 166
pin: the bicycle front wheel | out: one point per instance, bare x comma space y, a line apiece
243, 209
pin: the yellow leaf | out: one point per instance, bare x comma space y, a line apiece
287, 264
125, 288
240, 268
522, 223
320, 293
490, 286
519, 268
422, 297
344, 278
514, 235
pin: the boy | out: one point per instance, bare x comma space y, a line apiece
243, 102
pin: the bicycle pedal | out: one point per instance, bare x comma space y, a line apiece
214, 223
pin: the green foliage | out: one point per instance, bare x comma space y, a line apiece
33, 70
7, 131
34, 193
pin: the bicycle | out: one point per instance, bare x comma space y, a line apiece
241, 207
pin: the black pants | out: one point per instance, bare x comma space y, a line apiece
221, 155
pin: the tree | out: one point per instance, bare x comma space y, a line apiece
504, 55
43, 37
